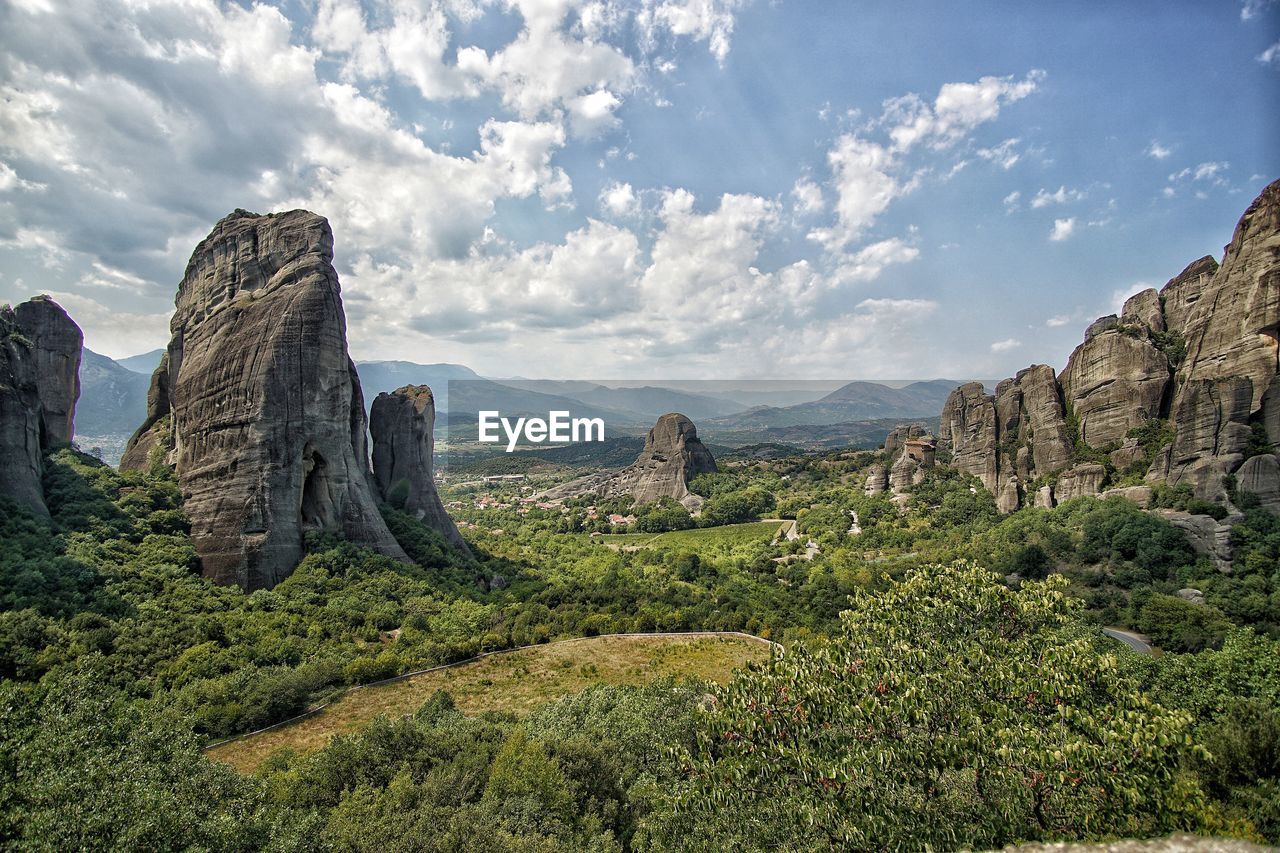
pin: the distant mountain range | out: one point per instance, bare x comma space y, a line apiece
802, 413
856, 401
146, 363
113, 398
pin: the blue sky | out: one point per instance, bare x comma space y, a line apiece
645, 188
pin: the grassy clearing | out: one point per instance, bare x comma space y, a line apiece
517, 682
729, 535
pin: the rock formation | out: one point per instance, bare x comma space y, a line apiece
1116, 381
402, 424
877, 479
910, 452
257, 404
40, 349
1079, 481
968, 430
672, 456
1009, 439
57, 346
1199, 361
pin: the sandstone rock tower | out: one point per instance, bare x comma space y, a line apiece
672, 456
40, 349
402, 424
257, 405
1198, 361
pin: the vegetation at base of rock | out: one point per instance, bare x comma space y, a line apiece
107, 630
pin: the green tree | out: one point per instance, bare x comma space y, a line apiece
950, 711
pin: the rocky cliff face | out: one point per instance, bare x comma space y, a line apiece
672, 456
1198, 360
1117, 380
910, 452
402, 424
968, 430
1010, 438
257, 404
40, 349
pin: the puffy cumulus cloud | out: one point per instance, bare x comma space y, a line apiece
703, 263
412, 45
868, 262
867, 176
956, 111
497, 291
1062, 229
619, 199
129, 142
1061, 195
808, 199
1157, 151
861, 175
1270, 56
547, 69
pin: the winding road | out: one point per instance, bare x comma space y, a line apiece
1137, 642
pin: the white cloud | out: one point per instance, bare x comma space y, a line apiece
866, 175
1006, 345
619, 199
1158, 151
1061, 195
955, 112
112, 332
1011, 201
1062, 229
808, 197
704, 20
1270, 56
864, 188
867, 263
1005, 155
1211, 174
1251, 9
1058, 322
123, 146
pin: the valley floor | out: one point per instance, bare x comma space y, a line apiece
517, 681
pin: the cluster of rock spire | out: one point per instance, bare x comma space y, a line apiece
257, 406
1196, 361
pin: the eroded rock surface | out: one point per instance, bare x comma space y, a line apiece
57, 346
402, 424
968, 430
1198, 360
1115, 381
40, 350
257, 403
672, 456
1080, 481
